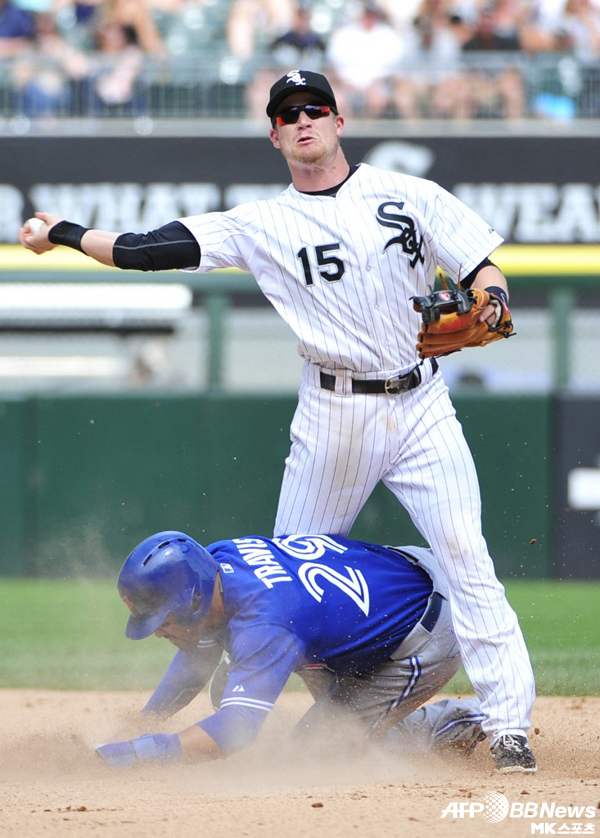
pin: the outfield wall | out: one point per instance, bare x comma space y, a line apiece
85, 478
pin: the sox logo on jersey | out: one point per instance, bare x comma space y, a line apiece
408, 239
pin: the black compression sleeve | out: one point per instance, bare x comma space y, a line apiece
171, 246
469, 279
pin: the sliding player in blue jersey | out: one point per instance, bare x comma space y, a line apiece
368, 627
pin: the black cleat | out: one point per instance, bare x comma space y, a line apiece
513, 755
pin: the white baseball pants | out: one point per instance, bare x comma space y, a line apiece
343, 445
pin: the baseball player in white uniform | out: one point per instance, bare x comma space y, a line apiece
340, 253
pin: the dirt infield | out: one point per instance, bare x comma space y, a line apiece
52, 785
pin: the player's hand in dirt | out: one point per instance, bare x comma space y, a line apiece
160, 747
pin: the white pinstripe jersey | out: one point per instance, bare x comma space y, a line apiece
341, 269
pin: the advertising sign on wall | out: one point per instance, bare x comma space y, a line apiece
531, 189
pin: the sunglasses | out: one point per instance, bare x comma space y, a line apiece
290, 116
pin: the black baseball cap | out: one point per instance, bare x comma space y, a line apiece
299, 81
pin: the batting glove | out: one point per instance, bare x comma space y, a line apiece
162, 747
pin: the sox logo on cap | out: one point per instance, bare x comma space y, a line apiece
296, 78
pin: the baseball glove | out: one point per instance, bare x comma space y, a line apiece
450, 321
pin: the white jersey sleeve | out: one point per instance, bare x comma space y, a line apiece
464, 239
226, 240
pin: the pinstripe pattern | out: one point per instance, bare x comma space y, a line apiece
363, 323
415, 445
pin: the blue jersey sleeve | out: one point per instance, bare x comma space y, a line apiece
264, 658
187, 674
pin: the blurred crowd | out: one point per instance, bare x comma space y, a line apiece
408, 59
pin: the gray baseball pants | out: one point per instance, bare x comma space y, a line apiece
387, 702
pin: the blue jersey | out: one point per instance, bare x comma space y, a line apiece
290, 601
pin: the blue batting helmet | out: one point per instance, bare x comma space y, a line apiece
164, 574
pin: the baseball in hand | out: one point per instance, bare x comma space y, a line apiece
35, 225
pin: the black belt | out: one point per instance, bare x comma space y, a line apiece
391, 386
432, 612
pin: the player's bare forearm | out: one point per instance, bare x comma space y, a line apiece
490, 275
487, 277
197, 745
98, 244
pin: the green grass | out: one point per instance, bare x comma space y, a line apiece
561, 627
70, 635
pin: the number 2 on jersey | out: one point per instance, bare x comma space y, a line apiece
354, 585
334, 266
